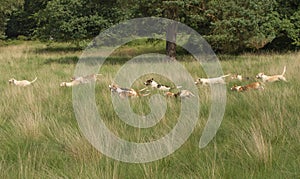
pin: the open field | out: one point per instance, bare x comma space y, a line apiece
259, 136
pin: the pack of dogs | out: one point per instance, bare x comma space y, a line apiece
257, 85
169, 91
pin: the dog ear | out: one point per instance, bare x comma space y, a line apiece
233, 88
177, 94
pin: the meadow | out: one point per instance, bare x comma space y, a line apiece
39, 136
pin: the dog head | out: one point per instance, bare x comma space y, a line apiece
73, 78
233, 88
236, 77
199, 81
113, 87
259, 75
169, 94
237, 88
148, 82
62, 84
11, 81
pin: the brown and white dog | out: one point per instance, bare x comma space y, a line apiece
158, 86
237, 88
254, 85
181, 94
126, 92
22, 82
273, 78
207, 81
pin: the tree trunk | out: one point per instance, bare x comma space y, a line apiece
171, 13
171, 40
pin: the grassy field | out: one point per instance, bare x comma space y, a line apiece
259, 136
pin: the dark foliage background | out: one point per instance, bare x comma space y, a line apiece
231, 26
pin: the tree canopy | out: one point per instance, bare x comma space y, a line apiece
231, 26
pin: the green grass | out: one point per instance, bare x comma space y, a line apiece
259, 136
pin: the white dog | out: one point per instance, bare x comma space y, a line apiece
22, 82
87, 78
70, 84
80, 80
206, 81
266, 78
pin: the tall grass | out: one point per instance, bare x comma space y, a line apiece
40, 138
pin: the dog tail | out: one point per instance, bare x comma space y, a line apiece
142, 95
99, 74
143, 89
284, 70
34, 80
192, 94
225, 75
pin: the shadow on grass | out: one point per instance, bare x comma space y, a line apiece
111, 60
75, 59
62, 60
64, 49
119, 57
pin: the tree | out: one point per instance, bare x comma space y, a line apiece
7, 6
241, 25
171, 9
22, 21
289, 28
75, 20
230, 26
175, 10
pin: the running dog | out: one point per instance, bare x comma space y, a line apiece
154, 84
237, 88
181, 94
87, 78
80, 80
273, 78
70, 84
126, 92
254, 85
22, 82
206, 81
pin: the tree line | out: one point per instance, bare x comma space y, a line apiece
230, 26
